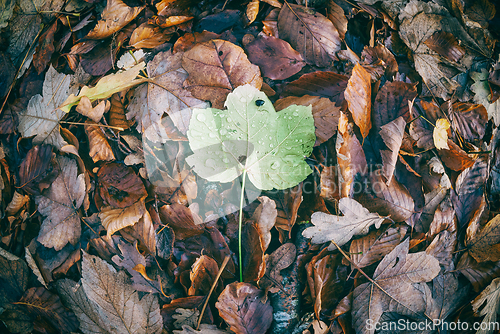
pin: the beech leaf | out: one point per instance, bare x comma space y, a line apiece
114, 17
355, 221
249, 135
115, 219
440, 134
359, 98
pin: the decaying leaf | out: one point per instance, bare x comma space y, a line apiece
241, 308
280, 259
99, 146
355, 221
484, 245
393, 287
60, 206
119, 186
310, 33
392, 135
265, 218
216, 68
38, 169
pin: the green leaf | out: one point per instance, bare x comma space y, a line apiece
250, 135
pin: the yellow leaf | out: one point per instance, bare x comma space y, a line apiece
440, 134
107, 86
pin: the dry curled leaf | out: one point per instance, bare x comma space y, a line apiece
100, 150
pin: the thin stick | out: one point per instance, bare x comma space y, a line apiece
240, 223
97, 124
224, 263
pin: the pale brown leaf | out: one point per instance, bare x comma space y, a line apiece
115, 219
100, 150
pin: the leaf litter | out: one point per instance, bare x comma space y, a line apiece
368, 132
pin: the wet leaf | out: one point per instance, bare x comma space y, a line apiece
216, 68
241, 308
310, 33
325, 113
270, 161
114, 17
355, 221
60, 206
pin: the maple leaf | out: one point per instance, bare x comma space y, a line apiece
340, 229
60, 206
393, 284
249, 135
41, 118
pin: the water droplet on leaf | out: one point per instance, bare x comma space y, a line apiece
201, 118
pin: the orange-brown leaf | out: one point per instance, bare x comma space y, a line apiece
359, 98
114, 17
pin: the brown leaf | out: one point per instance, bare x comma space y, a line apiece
100, 150
114, 17
45, 49
14, 274
192, 302
455, 158
241, 308
17, 202
337, 16
359, 98
288, 205
280, 259
469, 120
310, 33
329, 182
392, 101
392, 135
325, 84
143, 231
350, 157
165, 22
265, 218
397, 274
203, 274
445, 44
326, 114
216, 68
148, 36
254, 264
43, 303
38, 169
188, 40
252, 11
85, 108
373, 247
329, 281
132, 260
182, 220
115, 219
483, 246
60, 206
388, 199
275, 57
479, 274
117, 113
119, 186
380, 56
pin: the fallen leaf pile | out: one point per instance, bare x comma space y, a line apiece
360, 138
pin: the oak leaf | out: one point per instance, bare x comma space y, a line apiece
340, 229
